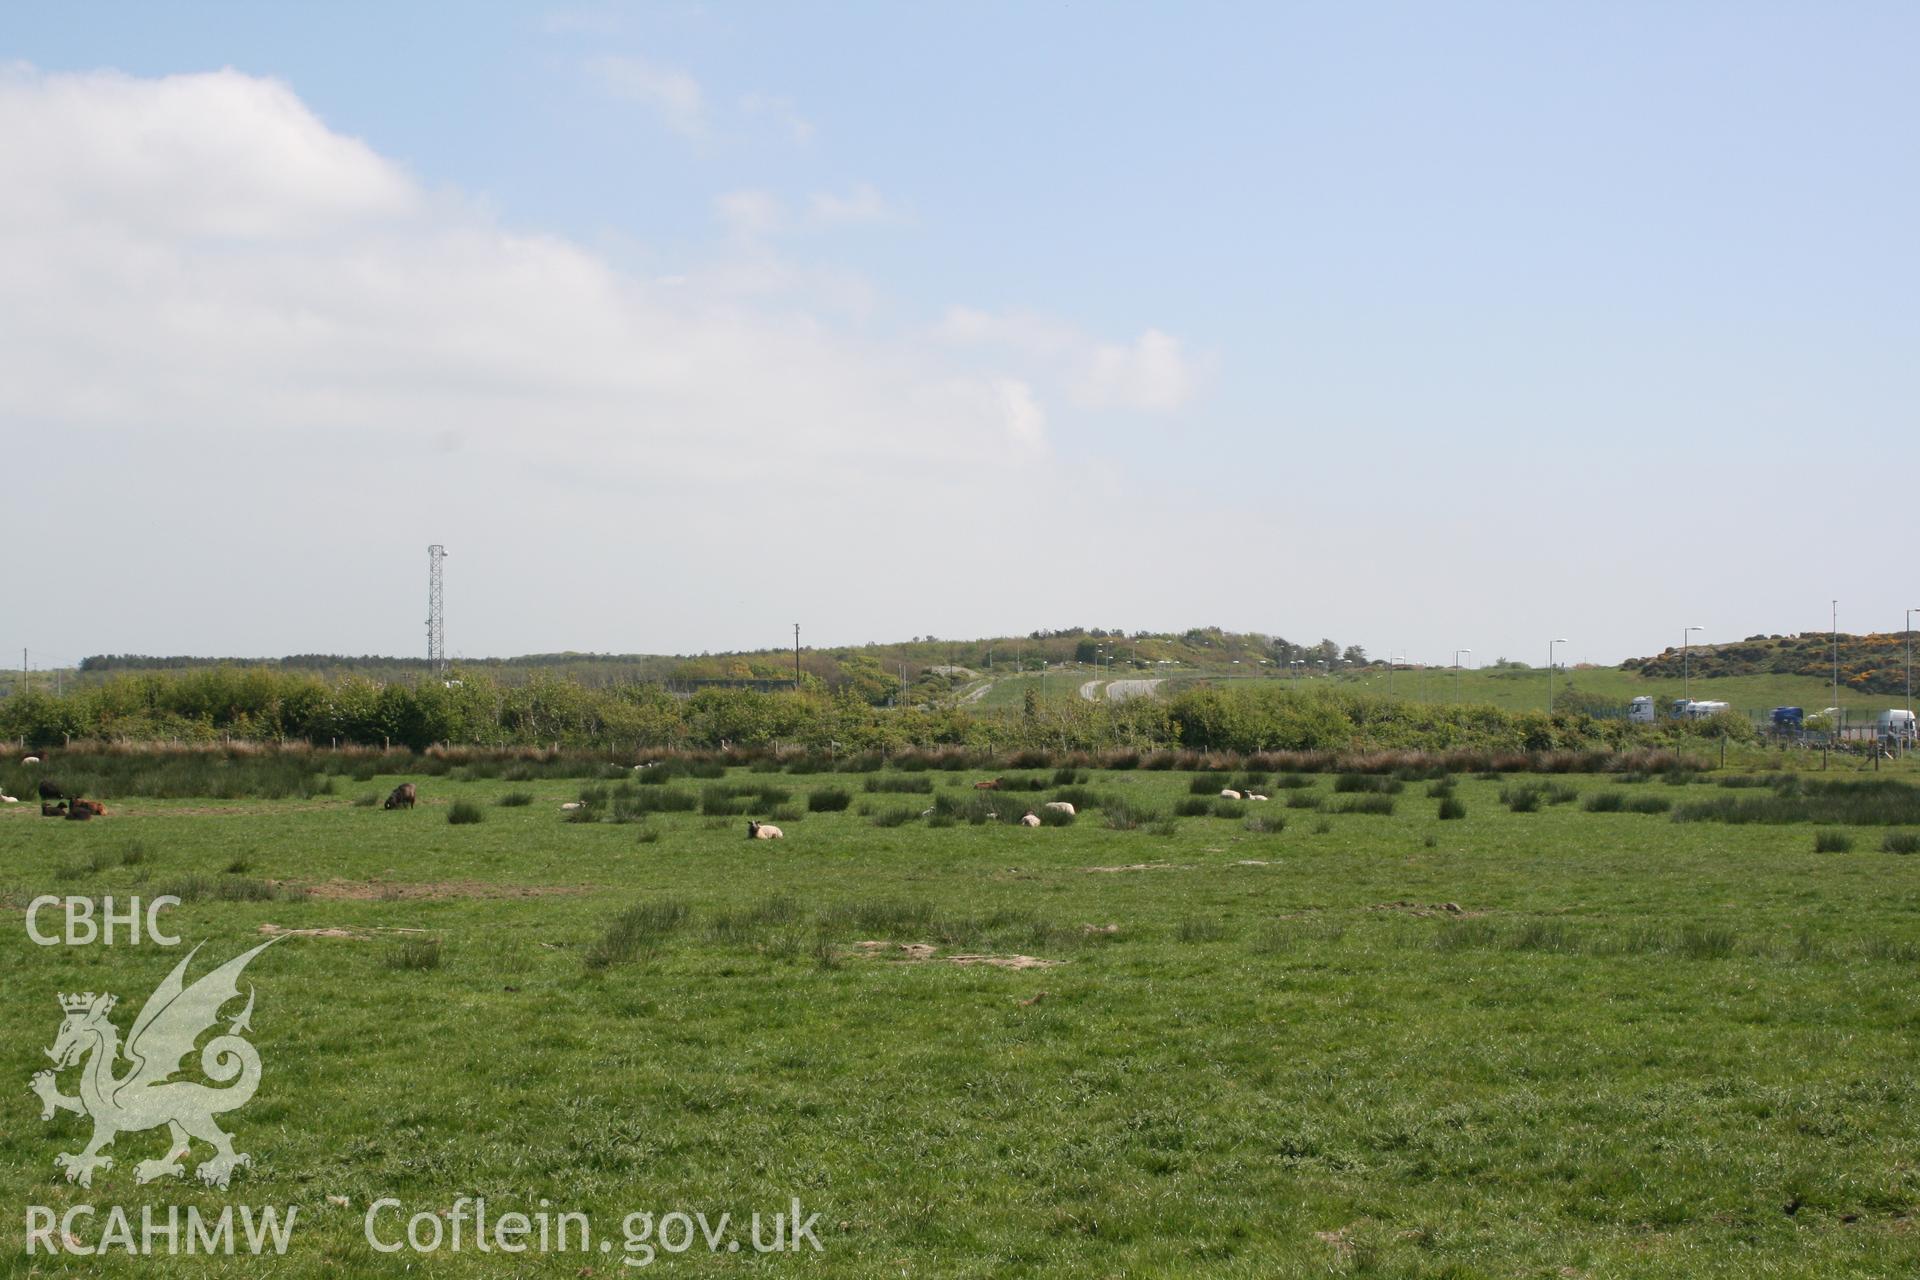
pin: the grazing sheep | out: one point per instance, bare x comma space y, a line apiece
402, 795
31, 760
1059, 806
51, 790
53, 810
991, 784
1030, 820
1228, 793
764, 831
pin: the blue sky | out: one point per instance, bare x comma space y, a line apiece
1420, 326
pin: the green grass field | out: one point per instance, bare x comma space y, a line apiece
1557, 1043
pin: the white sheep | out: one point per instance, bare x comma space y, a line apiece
31, 760
927, 812
1031, 820
764, 831
1228, 793
1060, 806
1252, 796
573, 804
7, 799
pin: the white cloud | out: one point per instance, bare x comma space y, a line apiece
781, 113
862, 204
241, 319
1152, 374
750, 213
674, 94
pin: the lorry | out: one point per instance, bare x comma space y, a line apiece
1895, 727
1788, 722
1685, 710
1642, 711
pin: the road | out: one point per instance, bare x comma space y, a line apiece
1119, 690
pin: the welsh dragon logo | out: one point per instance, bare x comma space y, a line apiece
145, 1096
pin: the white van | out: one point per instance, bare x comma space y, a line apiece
1894, 726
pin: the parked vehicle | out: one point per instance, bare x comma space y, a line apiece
1685, 710
1642, 711
1789, 722
1895, 726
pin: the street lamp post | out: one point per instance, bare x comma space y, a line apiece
1686, 663
1550, 648
1910, 613
1456, 671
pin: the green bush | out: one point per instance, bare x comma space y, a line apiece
1452, 808
1832, 842
830, 800
1901, 842
465, 812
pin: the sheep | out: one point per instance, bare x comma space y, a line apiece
764, 831
79, 813
7, 799
1059, 806
403, 795
1031, 820
572, 804
1228, 793
51, 790
53, 810
927, 812
991, 784
31, 760
93, 807
1251, 796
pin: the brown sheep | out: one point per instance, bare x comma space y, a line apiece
403, 795
53, 810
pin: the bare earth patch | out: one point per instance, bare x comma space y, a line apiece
356, 935
1144, 866
914, 952
394, 891
1424, 910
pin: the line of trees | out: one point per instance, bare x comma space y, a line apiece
262, 705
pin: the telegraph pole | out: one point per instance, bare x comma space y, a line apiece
796, 657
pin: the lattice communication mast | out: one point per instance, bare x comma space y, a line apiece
436, 613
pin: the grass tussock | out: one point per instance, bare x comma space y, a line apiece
637, 933
1452, 809
414, 953
1379, 805
515, 800
829, 800
464, 813
1832, 842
